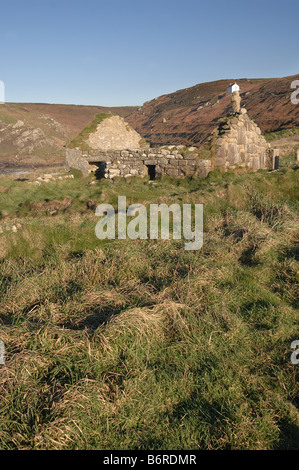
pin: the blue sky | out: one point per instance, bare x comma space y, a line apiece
125, 52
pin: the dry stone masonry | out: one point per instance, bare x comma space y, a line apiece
114, 133
115, 149
240, 144
138, 162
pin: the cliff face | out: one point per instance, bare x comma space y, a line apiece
188, 116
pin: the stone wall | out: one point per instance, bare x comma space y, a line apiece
240, 144
237, 142
136, 162
75, 159
114, 133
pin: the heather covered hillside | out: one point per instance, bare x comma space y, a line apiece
190, 115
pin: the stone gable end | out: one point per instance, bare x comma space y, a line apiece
114, 133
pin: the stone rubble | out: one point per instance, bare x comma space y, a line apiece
49, 178
10, 228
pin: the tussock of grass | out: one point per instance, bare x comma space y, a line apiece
141, 344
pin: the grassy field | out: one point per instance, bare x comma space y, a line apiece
141, 344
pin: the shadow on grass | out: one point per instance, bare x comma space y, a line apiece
289, 436
93, 319
291, 251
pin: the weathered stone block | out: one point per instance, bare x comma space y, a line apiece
233, 153
114, 171
172, 172
202, 172
221, 152
204, 163
251, 148
219, 162
189, 156
163, 161
241, 139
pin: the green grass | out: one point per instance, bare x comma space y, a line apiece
278, 134
141, 344
7, 118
